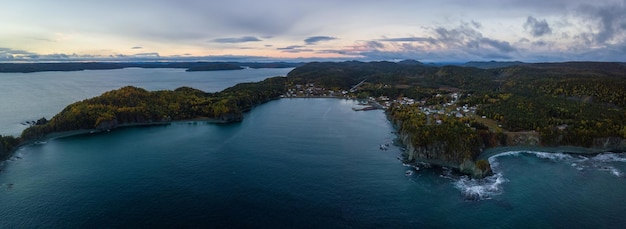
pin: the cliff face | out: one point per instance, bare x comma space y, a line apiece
609, 143
3, 152
442, 154
7, 145
439, 153
232, 117
432, 153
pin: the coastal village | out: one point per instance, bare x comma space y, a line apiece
438, 108
434, 111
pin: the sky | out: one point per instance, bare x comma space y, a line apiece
305, 30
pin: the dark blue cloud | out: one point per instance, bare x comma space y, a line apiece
290, 47
317, 39
502, 46
609, 21
236, 39
408, 39
539, 43
375, 45
8, 51
536, 27
294, 49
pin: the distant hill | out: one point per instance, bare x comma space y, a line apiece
492, 64
410, 62
587, 67
190, 66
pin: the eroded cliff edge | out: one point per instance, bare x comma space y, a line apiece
475, 161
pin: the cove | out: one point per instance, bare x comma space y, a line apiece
289, 163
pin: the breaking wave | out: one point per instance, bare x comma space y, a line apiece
480, 189
486, 188
610, 157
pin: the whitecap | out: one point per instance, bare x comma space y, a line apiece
578, 166
553, 156
616, 172
480, 189
609, 157
508, 153
539, 154
582, 158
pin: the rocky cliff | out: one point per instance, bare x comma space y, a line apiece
440, 153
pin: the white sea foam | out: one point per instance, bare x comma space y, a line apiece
509, 153
480, 189
539, 154
553, 156
616, 172
610, 157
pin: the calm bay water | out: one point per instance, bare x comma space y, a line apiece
294, 163
31, 96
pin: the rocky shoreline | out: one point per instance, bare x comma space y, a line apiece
419, 155
71, 133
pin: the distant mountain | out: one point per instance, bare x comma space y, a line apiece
492, 64
584, 67
410, 62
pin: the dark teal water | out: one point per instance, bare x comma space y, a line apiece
30, 96
310, 163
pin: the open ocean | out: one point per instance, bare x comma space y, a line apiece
294, 163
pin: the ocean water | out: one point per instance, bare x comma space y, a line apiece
312, 163
31, 96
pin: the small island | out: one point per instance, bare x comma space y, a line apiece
447, 116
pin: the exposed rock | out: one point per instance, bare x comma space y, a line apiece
232, 117
610, 143
107, 125
529, 138
479, 169
41, 121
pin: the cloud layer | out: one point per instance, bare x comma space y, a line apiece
448, 30
316, 39
236, 39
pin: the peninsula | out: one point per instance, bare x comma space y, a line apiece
446, 115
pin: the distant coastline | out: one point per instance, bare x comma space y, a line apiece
189, 66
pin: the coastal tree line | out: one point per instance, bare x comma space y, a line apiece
132, 105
